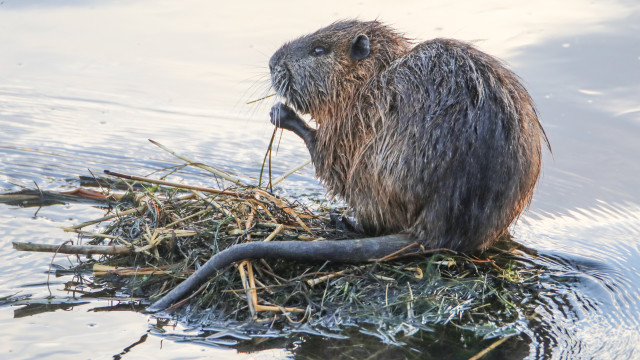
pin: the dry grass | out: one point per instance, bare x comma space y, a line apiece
172, 229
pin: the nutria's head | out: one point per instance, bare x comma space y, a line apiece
317, 70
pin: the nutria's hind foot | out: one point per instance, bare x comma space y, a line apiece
344, 222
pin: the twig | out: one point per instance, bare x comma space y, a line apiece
249, 284
275, 232
91, 234
99, 269
410, 313
264, 161
213, 203
63, 196
274, 225
489, 348
211, 169
315, 281
73, 249
105, 218
179, 303
423, 251
179, 220
169, 183
285, 175
262, 98
247, 287
51, 263
286, 208
155, 238
399, 252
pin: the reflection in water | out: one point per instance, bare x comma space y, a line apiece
446, 345
119, 356
34, 309
78, 93
592, 255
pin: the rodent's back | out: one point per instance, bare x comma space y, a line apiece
456, 153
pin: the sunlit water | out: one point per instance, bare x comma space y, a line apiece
83, 84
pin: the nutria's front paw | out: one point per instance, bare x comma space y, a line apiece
284, 117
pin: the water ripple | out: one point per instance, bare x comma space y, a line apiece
592, 257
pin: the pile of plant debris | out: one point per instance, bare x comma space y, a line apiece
160, 232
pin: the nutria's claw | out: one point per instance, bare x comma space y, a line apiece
345, 222
283, 116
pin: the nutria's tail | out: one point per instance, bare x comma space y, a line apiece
341, 251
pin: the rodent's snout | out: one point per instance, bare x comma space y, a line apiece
278, 71
275, 60
279, 57
271, 64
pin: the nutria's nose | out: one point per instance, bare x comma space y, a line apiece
276, 58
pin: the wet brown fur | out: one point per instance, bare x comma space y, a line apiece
404, 134
437, 143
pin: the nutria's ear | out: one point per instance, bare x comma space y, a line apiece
360, 47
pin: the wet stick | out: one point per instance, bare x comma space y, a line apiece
169, 183
288, 173
101, 270
73, 249
488, 349
284, 208
209, 168
260, 99
267, 155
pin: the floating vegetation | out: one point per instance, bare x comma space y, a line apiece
157, 233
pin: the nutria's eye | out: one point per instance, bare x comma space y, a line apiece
318, 50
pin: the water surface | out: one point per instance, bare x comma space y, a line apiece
83, 84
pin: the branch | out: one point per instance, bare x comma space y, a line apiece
73, 249
209, 168
169, 183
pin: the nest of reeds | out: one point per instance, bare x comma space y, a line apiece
166, 231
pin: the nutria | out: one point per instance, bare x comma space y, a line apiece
436, 143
